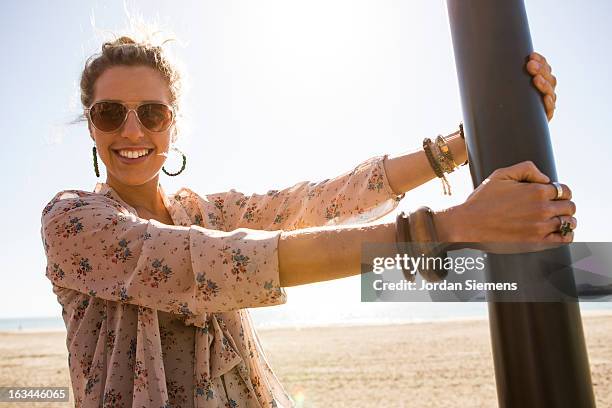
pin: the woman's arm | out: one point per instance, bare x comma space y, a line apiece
360, 195
95, 247
326, 253
515, 204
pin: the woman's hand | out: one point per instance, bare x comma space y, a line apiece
544, 81
514, 204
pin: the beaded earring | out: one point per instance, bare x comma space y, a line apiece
95, 161
182, 167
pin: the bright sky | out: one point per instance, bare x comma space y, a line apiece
280, 92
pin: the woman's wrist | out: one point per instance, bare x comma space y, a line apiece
409, 170
449, 225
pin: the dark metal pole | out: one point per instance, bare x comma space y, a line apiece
538, 347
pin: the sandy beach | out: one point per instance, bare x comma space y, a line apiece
440, 364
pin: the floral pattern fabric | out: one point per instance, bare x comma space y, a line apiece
157, 315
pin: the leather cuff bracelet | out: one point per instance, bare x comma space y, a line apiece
417, 232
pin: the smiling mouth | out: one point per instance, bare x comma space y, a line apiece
132, 156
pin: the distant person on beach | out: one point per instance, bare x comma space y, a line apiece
155, 287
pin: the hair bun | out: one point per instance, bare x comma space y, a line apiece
123, 40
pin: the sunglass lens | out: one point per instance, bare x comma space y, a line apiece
107, 116
155, 116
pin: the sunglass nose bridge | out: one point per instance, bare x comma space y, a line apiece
137, 123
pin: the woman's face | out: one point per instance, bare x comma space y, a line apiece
132, 85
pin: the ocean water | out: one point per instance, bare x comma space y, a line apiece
288, 316
320, 314
32, 324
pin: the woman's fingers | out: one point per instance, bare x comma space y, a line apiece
554, 211
559, 207
518, 204
558, 237
551, 229
534, 67
544, 86
524, 171
549, 105
549, 191
537, 56
553, 225
539, 65
544, 81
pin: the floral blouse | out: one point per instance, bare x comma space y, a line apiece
157, 315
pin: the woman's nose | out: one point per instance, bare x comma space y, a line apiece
132, 127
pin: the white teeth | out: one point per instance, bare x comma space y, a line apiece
133, 154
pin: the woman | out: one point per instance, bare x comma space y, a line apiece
154, 287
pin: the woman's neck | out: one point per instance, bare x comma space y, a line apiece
142, 197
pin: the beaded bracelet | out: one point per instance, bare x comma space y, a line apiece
435, 164
446, 158
441, 158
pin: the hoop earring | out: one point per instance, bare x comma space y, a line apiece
95, 160
182, 167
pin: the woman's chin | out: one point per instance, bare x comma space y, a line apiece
134, 179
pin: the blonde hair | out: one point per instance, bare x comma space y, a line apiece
125, 51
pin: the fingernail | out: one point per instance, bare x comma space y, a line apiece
537, 65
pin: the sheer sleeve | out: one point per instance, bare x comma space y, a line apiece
94, 246
360, 195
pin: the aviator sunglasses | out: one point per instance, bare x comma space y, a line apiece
109, 116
